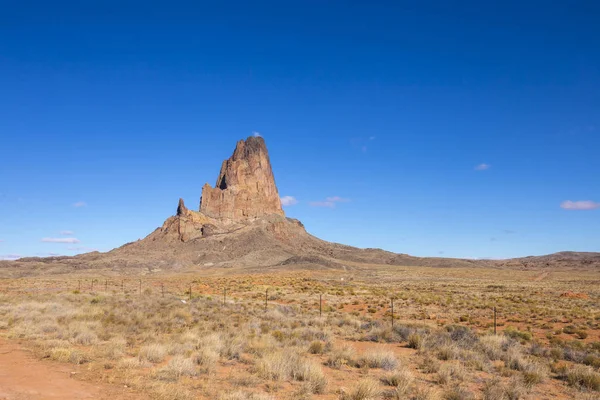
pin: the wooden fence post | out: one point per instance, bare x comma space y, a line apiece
320, 305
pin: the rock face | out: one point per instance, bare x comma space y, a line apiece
245, 188
245, 192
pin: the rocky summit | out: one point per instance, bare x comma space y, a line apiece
245, 191
245, 188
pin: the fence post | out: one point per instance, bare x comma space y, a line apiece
190, 291
92, 285
494, 320
392, 313
320, 305
106, 285
266, 298
162, 289
123, 285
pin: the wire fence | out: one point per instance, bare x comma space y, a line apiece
185, 291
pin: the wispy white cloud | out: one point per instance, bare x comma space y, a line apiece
329, 202
579, 205
337, 199
9, 257
60, 240
80, 204
482, 167
67, 233
256, 134
288, 201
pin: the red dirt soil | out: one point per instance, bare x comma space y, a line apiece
22, 377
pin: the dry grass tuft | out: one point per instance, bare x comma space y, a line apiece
384, 359
366, 389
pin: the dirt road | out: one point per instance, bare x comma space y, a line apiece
22, 377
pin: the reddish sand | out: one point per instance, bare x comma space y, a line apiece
22, 377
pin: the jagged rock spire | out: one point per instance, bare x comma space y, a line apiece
245, 188
181, 208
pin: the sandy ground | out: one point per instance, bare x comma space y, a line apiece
22, 377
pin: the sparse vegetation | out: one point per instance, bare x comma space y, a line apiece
202, 348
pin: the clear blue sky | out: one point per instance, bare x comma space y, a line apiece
451, 129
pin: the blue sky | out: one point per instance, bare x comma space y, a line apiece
459, 130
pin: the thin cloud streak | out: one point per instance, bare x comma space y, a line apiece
61, 240
579, 205
482, 167
329, 202
80, 204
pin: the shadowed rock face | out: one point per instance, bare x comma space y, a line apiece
245, 188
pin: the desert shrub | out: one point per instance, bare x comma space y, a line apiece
129, 363
311, 373
400, 379
316, 347
514, 359
494, 346
493, 389
366, 389
448, 352
378, 359
425, 393
534, 373
282, 365
404, 331
170, 391
155, 353
583, 377
449, 373
516, 334
276, 365
340, 356
458, 393
429, 365
177, 367
415, 341
206, 358
592, 360
515, 390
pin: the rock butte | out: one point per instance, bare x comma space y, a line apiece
240, 224
245, 187
245, 191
